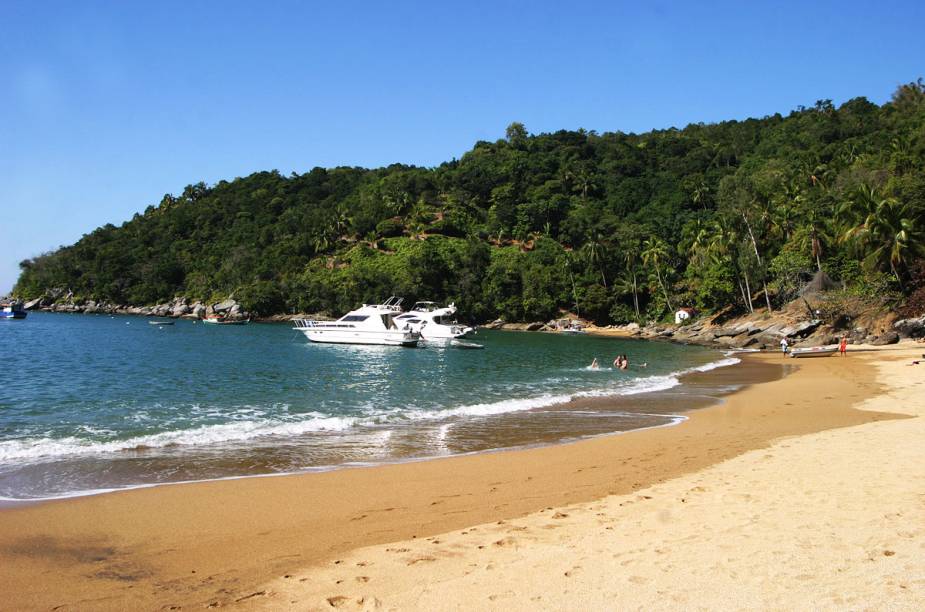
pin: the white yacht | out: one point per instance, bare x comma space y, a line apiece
435, 324
370, 324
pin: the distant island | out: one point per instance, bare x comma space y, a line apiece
613, 227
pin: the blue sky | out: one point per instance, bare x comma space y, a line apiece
107, 106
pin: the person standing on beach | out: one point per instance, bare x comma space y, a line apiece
843, 346
784, 346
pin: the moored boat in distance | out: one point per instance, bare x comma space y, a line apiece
435, 324
161, 322
814, 351
369, 324
12, 309
216, 320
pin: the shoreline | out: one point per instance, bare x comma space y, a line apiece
825, 520
210, 542
671, 405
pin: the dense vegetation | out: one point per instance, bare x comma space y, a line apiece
616, 226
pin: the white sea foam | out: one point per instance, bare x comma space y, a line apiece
34, 448
243, 429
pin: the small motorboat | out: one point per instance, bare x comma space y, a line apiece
813, 351
568, 326
12, 309
161, 322
213, 320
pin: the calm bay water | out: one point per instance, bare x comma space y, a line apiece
91, 403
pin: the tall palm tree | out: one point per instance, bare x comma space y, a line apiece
626, 284
724, 243
887, 236
595, 250
655, 253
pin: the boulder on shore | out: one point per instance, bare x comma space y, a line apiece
33, 304
224, 306
885, 338
909, 328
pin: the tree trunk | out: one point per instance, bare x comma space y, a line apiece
742, 291
664, 290
635, 297
748, 293
764, 279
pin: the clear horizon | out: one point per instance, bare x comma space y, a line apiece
105, 108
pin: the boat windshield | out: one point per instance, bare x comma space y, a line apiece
424, 306
356, 318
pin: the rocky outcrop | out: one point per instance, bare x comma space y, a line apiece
176, 308
889, 337
224, 306
910, 328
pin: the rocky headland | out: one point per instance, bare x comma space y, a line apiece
756, 331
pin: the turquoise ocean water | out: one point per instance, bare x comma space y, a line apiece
91, 402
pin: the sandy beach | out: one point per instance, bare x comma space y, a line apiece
803, 492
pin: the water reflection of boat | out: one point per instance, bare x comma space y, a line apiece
433, 322
369, 324
462, 344
12, 309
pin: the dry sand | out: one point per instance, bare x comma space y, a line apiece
680, 516
832, 520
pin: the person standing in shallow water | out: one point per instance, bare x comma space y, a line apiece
843, 346
783, 346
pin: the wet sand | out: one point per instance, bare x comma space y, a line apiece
222, 543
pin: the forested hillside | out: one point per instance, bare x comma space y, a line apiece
617, 226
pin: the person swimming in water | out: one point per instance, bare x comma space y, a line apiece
594, 365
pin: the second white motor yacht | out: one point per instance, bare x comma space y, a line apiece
434, 323
369, 324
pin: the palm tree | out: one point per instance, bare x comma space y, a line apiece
724, 244
887, 235
626, 283
570, 267
695, 240
655, 253
594, 250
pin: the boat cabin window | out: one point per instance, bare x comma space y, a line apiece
355, 318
